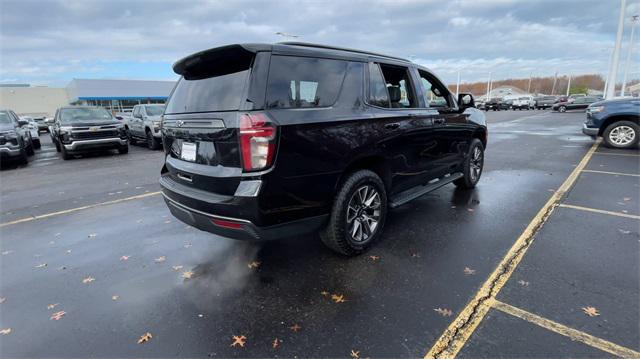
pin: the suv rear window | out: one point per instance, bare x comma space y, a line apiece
218, 89
296, 82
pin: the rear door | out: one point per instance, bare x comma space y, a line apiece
451, 127
201, 119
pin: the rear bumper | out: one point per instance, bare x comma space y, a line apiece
589, 131
6, 151
224, 225
82, 145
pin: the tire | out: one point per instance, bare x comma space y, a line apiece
24, 158
152, 143
340, 234
621, 134
132, 140
562, 109
65, 155
123, 150
30, 151
36, 144
58, 147
472, 167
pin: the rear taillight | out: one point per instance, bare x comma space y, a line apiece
257, 141
226, 224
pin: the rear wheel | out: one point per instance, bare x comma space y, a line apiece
622, 134
358, 214
562, 109
472, 167
123, 149
30, 151
132, 140
36, 144
24, 158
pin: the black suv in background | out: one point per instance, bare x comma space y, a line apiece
268, 141
496, 104
15, 140
81, 129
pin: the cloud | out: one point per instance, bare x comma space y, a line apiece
53, 41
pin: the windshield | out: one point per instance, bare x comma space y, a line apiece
84, 114
4, 118
154, 110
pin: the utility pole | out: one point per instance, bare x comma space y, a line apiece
606, 80
555, 78
458, 84
613, 71
634, 20
489, 86
529, 87
569, 85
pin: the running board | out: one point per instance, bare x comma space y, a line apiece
415, 192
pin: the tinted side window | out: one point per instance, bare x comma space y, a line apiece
136, 111
378, 95
296, 82
433, 92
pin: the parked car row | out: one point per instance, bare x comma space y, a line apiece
556, 103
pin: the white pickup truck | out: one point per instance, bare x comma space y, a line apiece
524, 103
144, 125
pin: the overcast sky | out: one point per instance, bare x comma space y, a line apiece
50, 42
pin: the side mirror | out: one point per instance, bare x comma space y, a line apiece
465, 100
119, 118
22, 123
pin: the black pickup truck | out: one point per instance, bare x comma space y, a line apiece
81, 129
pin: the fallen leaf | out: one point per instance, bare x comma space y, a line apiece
627, 199
62, 268
239, 340
254, 264
139, 221
355, 354
92, 235
454, 206
188, 245
51, 306
374, 258
590, 311
624, 231
41, 265
276, 343
52, 242
469, 271
523, 283
124, 258
68, 251
187, 275
338, 298
415, 255
325, 293
470, 209
625, 211
88, 280
167, 221
2, 300
115, 297
57, 315
5, 331
57, 234
200, 315
160, 259
176, 268
444, 312
295, 327
145, 338
6, 252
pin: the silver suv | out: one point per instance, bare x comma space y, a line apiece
144, 125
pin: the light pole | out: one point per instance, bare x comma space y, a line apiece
458, 84
568, 85
613, 71
529, 87
606, 80
634, 20
488, 86
555, 78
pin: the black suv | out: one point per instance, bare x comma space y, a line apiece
81, 129
15, 138
267, 141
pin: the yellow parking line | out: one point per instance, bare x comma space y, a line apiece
601, 211
573, 334
461, 328
41, 216
612, 173
617, 154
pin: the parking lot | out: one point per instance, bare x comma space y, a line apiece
541, 259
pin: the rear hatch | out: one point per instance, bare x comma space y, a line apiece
202, 117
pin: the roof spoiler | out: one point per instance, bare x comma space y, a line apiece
213, 62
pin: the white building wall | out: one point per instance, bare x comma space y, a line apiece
33, 100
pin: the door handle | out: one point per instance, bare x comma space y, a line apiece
438, 121
391, 126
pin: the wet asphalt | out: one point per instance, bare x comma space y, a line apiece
115, 272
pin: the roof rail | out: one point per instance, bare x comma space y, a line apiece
318, 46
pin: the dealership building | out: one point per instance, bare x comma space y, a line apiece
114, 95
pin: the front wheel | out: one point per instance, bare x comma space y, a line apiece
65, 155
472, 167
123, 149
152, 142
562, 109
358, 214
622, 134
36, 144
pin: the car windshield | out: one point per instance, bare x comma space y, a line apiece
83, 114
154, 110
4, 117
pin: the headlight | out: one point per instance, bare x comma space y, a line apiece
157, 123
595, 109
65, 129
